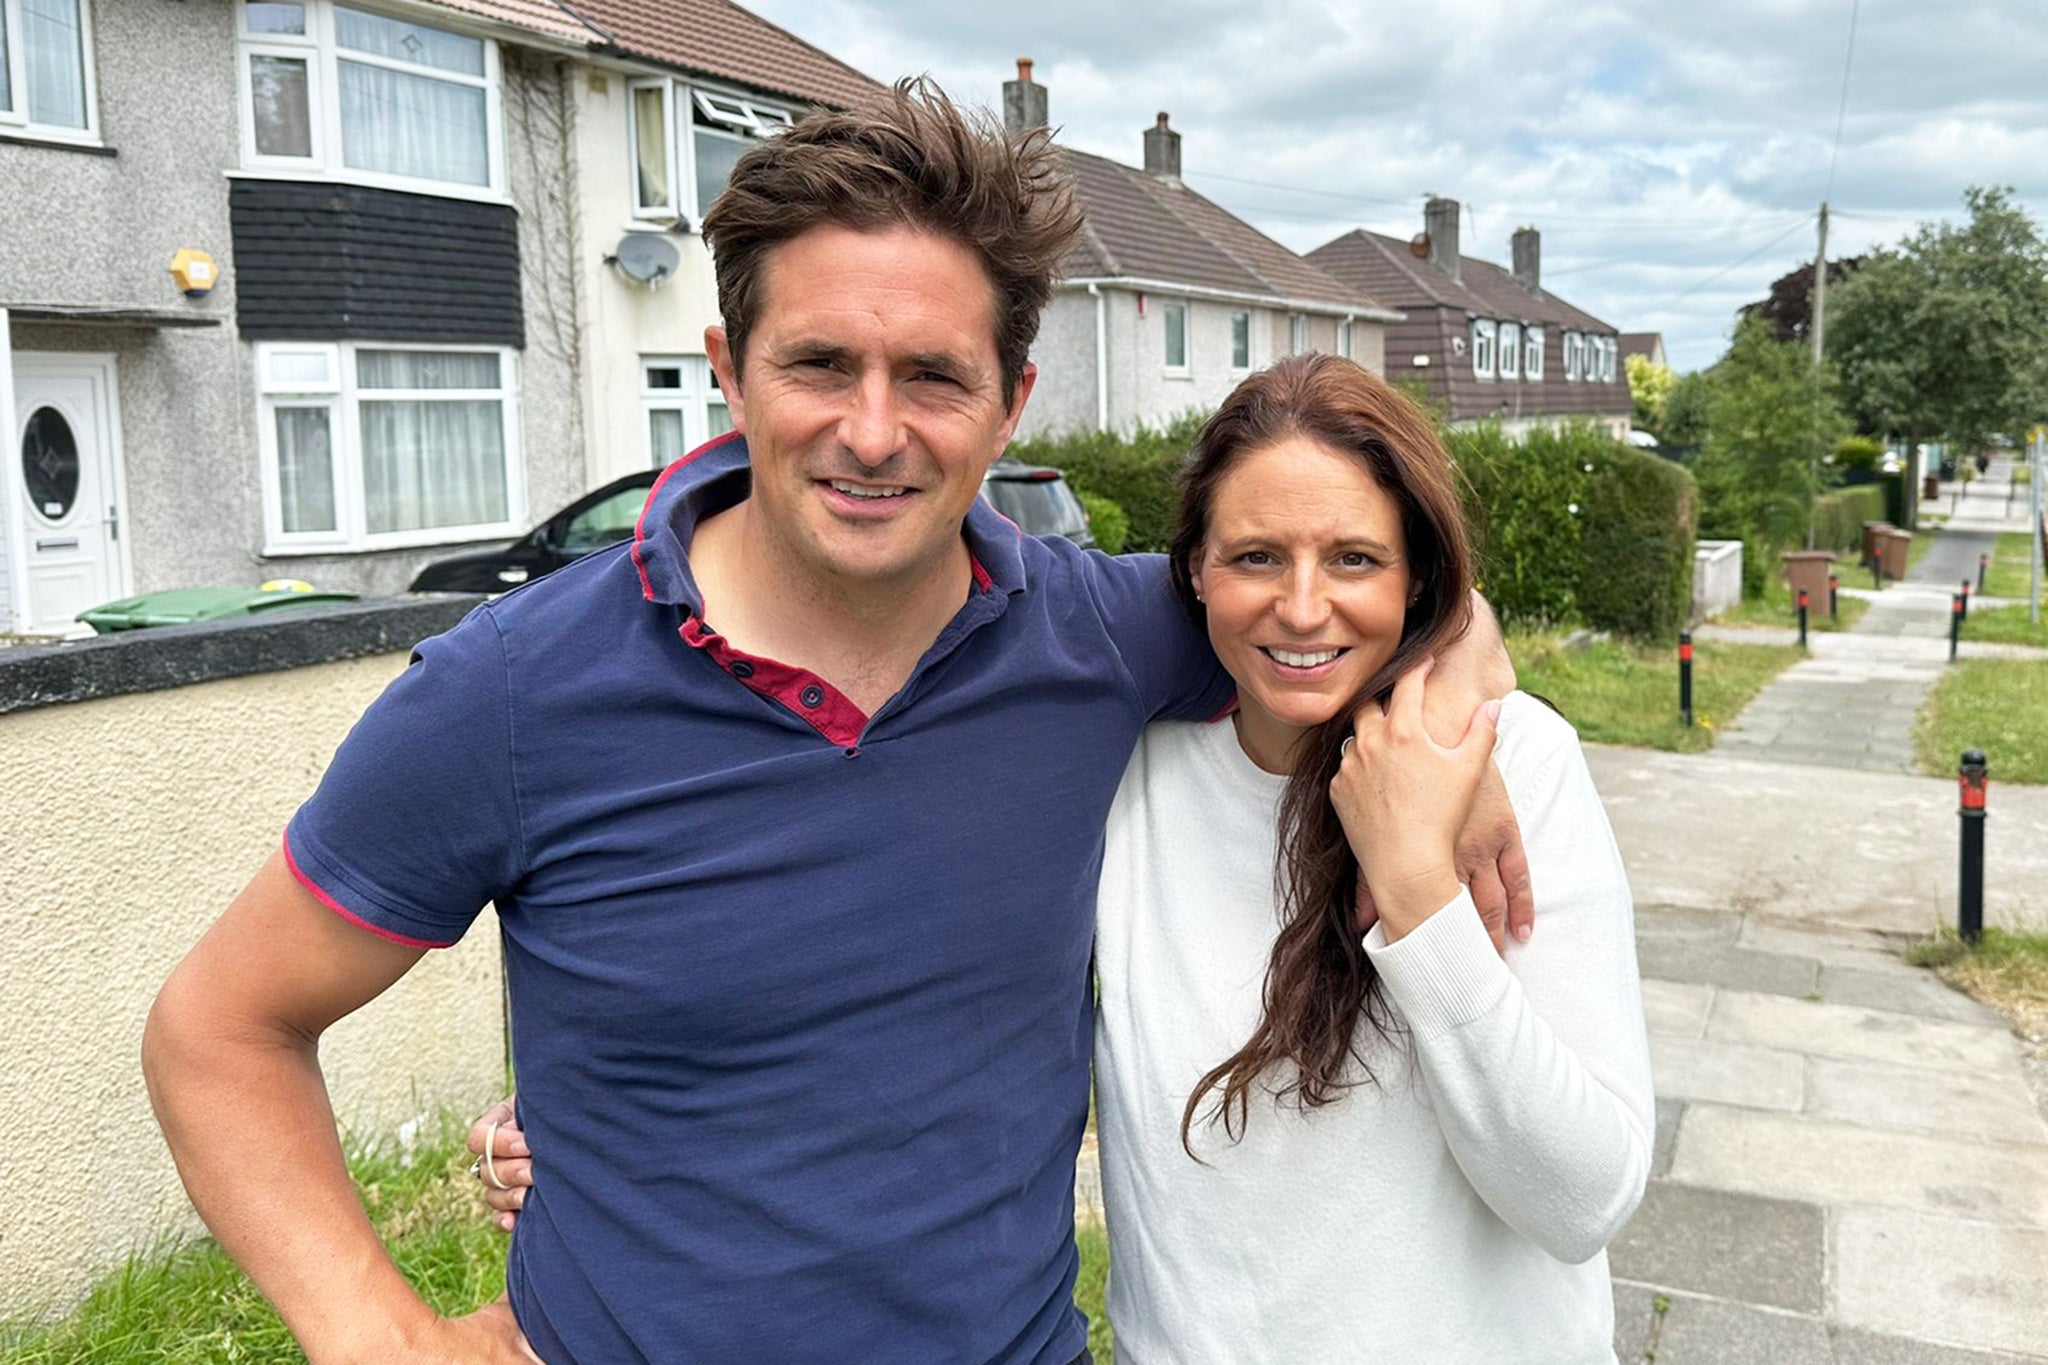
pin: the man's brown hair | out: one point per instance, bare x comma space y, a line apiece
908, 158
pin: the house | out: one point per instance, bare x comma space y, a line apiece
1649, 345
396, 324
340, 377
1483, 342
1169, 299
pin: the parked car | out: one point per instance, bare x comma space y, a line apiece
1038, 499
592, 522
1035, 497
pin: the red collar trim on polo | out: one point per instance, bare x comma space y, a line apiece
806, 695
640, 522
982, 581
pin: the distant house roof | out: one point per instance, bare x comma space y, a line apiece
1143, 227
703, 37
1386, 267
1649, 345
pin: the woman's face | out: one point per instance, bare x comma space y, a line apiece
1305, 576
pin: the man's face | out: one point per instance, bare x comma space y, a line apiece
873, 402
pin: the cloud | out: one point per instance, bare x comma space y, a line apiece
1655, 146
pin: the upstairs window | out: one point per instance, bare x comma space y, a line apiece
686, 140
332, 90
1175, 316
1510, 350
1297, 333
1482, 348
1608, 348
1532, 352
46, 68
1240, 341
1574, 357
1345, 343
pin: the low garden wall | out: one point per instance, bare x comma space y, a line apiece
143, 779
1716, 577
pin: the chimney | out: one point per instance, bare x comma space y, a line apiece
1023, 101
1528, 252
1440, 226
1162, 150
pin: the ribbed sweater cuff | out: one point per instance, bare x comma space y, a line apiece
1444, 972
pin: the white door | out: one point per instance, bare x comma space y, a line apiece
67, 486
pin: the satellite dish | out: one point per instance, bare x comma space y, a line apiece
645, 258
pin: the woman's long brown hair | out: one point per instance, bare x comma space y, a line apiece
1319, 984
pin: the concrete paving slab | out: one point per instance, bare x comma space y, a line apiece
1676, 1009
1785, 1156
1635, 1321
1951, 1280
1840, 947
1682, 922
1728, 1073
1705, 1331
1909, 1099
1854, 1346
1726, 966
1666, 1140
1707, 831
1824, 1030
1732, 1246
1925, 995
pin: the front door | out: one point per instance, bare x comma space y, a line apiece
69, 487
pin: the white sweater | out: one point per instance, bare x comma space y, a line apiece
1457, 1210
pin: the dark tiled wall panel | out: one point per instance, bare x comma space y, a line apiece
325, 262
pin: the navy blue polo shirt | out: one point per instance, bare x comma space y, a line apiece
799, 995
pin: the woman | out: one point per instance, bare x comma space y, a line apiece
1316, 1146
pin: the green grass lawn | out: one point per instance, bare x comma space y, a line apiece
189, 1305
1618, 693
1777, 607
1997, 705
2007, 626
2009, 572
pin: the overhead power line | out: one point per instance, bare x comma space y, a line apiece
1842, 106
1698, 285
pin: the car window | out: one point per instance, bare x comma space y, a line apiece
603, 524
1039, 509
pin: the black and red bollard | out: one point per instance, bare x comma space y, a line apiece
1955, 624
1971, 778
1983, 566
1803, 602
1685, 676
1834, 602
1966, 599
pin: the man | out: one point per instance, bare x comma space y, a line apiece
791, 810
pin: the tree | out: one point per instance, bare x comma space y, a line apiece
1789, 306
1650, 384
1943, 335
1770, 417
1685, 411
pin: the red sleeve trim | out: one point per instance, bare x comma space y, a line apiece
338, 908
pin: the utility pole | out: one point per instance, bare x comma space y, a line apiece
1817, 326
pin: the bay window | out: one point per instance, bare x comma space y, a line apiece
373, 446
46, 75
333, 90
686, 140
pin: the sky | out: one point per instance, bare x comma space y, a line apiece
1673, 155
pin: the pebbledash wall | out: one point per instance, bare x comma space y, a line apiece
127, 822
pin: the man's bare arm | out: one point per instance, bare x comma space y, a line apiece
230, 1054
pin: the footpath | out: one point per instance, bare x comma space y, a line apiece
1852, 1159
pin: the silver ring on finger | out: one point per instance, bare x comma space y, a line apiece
489, 1160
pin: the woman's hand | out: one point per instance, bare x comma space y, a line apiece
509, 1162
1402, 798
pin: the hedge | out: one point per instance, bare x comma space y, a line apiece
1135, 472
1640, 528
1838, 517
1107, 520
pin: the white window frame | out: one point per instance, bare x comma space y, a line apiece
1345, 343
1608, 349
14, 118
1186, 368
340, 395
693, 398
1241, 317
1532, 353
1574, 357
1297, 333
747, 116
322, 55
1482, 348
1507, 350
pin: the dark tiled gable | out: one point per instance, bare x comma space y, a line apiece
1140, 226
1438, 307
